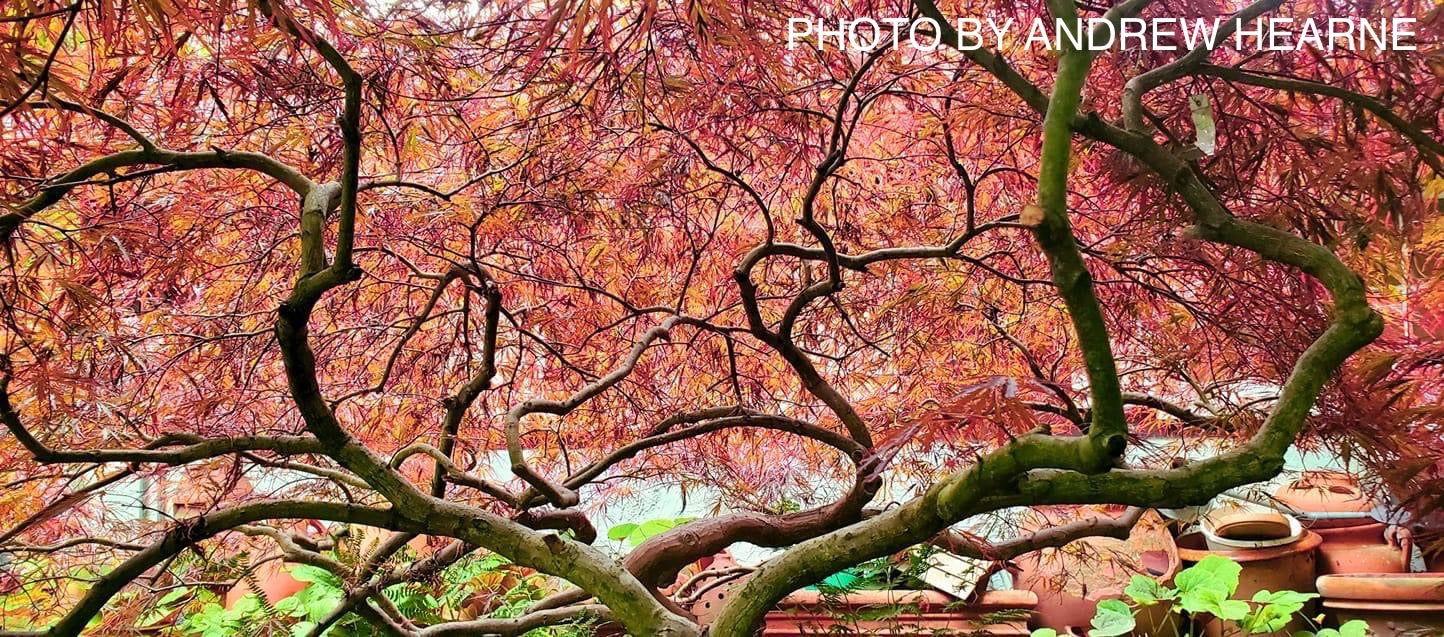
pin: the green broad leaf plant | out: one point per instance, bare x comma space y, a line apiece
1208, 588
299, 615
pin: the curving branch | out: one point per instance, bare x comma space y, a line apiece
43, 77
196, 448
171, 160
658, 560
454, 474
189, 532
1054, 234
560, 495
458, 404
969, 545
707, 421
520, 625
1140, 85
1431, 149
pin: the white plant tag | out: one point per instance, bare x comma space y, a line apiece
955, 575
1202, 111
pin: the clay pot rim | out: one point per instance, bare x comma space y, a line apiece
923, 599
1351, 526
1306, 543
1414, 607
1214, 532
1410, 588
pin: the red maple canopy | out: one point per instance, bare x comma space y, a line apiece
480, 271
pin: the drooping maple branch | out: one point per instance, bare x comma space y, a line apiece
795, 357
729, 175
458, 404
519, 625
177, 160
1431, 149
452, 473
707, 421
350, 123
188, 533
44, 75
969, 545
444, 195
1139, 86
70, 543
560, 495
157, 451
146, 143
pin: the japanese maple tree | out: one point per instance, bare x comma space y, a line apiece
378, 247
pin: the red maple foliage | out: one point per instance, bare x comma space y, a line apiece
382, 246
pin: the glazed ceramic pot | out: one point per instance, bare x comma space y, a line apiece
1391, 603
1290, 567
1071, 580
899, 614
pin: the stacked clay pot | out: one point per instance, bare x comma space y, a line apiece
900, 614
1070, 581
1350, 544
1393, 604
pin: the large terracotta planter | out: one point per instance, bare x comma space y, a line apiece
1071, 580
1291, 567
899, 614
273, 576
1350, 545
1391, 603
275, 581
1365, 548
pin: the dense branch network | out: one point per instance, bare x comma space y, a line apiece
543, 525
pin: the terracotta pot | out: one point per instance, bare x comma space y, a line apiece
1326, 492
1070, 581
711, 591
1291, 567
1365, 548
1391, 603
899, 614
273, 575
275, 581
1350, 545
